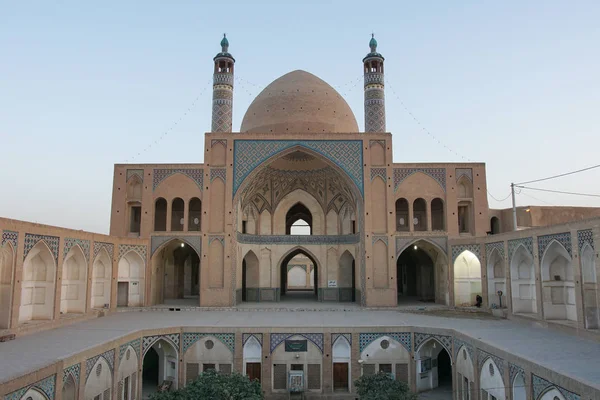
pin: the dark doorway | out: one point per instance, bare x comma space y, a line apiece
296, 213
122, 294
353, 281
340, 377
253, 371
284, 272
495, 225
244, 272
150, 370
444, 369
415, 274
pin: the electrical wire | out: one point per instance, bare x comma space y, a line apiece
558, 176
559, 191
492, 196
534, 198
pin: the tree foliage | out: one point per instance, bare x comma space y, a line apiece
213, 385
382, 386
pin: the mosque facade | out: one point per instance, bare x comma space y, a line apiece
300, 205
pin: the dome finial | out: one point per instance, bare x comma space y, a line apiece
224, 44
373, 43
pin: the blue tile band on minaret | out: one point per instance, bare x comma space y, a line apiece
374, 90
222, 104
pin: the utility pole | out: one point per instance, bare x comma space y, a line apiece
514, 206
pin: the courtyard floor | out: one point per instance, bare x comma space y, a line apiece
564, 353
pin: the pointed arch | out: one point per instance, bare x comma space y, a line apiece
101, 279
74, 282
134, 188
552, 393
130, 282
434, 365
467, 279
519, 391
69, 389
283, 261
177, 214
7, 264
496, 279
590, 287
99, 380
250, 276
420, 214
34, 393
38, 284
558, 286
588, 264
160, 214
491, 382
523, 286
308, 203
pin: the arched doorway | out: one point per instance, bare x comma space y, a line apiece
298, 220
250, 277
176, 274
434, 369
74, 282
101, 277
341, 353
417, 272
289, 289
130, 284
6, 279
496, 280
467, 279
494, 225
558, 286
347, 277
159, 367
252, 358
491, 383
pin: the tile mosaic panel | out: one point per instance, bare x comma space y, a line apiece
109, 356
278, 338
53, 243
458, 344
583, 237
249, 154
10, 237
381, 142
135, 172
148, 341
484, 355
194, 241
196, 174
290, 266
47, 386
228, 339
220, 238
438, 174
527, 243
489, 247
136, 344
365, 339
513, 370
541, 385
214, 142
460, 172
381, 172
110, 249
445, 340
402, 243
84, 244
220, 173
336, 336
563, 238
473, 248
257, 336
138, 248
297, 239
384, 239
74, 370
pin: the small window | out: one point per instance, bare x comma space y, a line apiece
385, 368
136, 219
206, 367
244, 226
297, 367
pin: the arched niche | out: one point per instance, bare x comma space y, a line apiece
496, 279
467, 279
160, 215
299, 196
298, 220
99, 381
127, 375
130, 284
74, 282
491, 383
402, 215
177, 214
438, 218
386, 354
250, 277
34, 394
252, 354
433, 366
69, 389
346, 277
558, 286
551, 394
195, 214
341, 355
523, 288
465, 374
590, 287
419, 215
101, 280
420, 270
519, 390
309, 361
207, 353
160, 366
6, 284
134, 188
38, 285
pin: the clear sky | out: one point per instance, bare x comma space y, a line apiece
85, 85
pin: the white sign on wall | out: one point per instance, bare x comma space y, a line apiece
332, 283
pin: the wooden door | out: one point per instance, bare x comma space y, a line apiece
340, 376
122, 294
253, 371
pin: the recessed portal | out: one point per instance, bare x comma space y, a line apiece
416, 273
176, 274
299, 276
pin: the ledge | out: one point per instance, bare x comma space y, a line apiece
297, 239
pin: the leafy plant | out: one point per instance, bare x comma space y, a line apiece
382, 386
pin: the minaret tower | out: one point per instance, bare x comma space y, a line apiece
374, 90
222, 105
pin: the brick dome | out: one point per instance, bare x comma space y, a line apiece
299, 102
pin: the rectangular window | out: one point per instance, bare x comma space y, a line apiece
368, 369
279, 377
314, 376
136, 219
464, 222
297, 367
206, 367
225, 369
192, 370
244, 226
386, 368
402, 372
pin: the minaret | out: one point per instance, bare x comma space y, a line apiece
222, 105
374, 90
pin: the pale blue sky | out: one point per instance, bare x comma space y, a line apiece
85, 85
